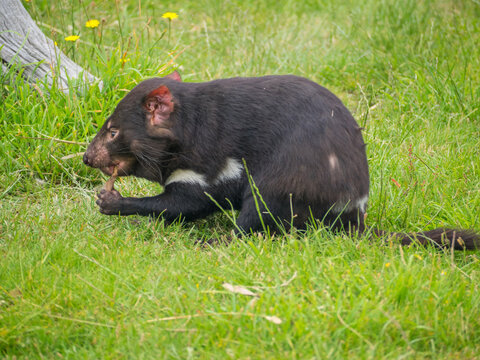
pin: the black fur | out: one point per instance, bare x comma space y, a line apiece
301, 146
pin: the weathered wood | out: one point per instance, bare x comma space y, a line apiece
22, 42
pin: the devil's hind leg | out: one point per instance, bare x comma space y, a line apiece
264, 213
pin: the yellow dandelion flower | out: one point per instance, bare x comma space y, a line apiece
387, 265
72, 38
92, 23
55, 43
170, 15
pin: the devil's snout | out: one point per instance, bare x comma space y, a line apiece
85, 159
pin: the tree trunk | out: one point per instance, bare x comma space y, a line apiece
22, 42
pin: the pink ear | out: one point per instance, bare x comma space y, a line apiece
174, 76
159, 105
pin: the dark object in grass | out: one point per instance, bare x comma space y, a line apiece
302, 148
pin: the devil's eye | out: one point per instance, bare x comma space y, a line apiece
113, 133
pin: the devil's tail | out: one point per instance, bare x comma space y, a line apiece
440, 238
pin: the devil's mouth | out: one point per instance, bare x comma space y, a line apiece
120, 165
108, 170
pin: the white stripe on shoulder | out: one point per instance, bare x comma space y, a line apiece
186, 176
231, 171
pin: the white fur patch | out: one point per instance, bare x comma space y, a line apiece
186, 176
231, 171
360, 204
333, 160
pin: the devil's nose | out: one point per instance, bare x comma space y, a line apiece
85, 159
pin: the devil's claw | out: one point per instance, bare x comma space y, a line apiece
109, 202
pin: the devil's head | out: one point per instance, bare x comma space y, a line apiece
137, 137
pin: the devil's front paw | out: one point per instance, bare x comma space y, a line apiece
110, 202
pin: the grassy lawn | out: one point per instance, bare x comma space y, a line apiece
77, 284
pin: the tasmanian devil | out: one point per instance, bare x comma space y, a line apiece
281, 149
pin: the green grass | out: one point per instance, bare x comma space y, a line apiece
77, 284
